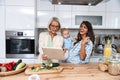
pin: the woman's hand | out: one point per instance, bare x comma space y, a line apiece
85, 40
44, 57
64, 49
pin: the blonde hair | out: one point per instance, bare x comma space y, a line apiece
56, 20
64, 29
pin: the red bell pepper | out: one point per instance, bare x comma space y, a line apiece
8, 66
12, 63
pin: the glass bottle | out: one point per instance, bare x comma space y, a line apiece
107, 49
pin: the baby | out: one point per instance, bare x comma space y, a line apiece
67, 39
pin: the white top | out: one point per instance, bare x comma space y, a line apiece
43, 42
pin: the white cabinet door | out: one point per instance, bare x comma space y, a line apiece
2, 2
2, 32
98, 7
44, 5
19, 17
63, 8
78, 8
89, 14
20, 2
43, 18
65, 18
113, 20
113, 5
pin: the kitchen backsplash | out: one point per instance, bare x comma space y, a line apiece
98, 32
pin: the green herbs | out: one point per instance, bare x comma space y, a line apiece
35, 69
108, 37
45, 67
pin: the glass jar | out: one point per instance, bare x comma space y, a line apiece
113, 67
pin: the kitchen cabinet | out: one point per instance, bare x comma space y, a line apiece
112, 20
113, 6
99, 7
2, 2
66, 13
44, 5
63, 12
65, 8
20, 2
89, 14
113, 14
65, 18
78, 8
20, 17
43, 18
85, 8
2, 31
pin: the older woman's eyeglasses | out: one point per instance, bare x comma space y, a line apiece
53, 26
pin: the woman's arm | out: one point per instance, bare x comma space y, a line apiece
82, 50
41, 44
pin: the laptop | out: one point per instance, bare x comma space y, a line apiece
54, 53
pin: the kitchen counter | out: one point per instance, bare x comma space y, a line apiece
79, 72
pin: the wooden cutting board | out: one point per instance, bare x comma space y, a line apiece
58, 69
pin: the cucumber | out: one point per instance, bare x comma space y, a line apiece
55, 64
21, 65
18, 62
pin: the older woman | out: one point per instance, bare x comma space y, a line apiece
50, 38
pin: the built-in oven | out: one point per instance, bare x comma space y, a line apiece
20, 44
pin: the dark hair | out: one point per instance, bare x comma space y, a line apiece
90, 32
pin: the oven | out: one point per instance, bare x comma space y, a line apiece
20, 44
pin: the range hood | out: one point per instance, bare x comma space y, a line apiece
76, 2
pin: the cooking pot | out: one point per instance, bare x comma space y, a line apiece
100, 48
114, 48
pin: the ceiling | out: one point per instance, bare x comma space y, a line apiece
76, 2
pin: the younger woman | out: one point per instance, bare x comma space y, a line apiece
82, 49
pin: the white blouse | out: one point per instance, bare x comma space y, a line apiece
43, 42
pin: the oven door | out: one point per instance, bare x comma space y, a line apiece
20, 47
